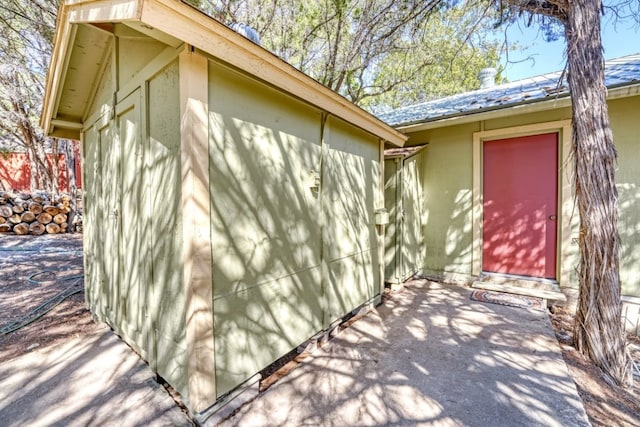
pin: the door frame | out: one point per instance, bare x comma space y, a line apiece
413, 265
399, 157
565, 191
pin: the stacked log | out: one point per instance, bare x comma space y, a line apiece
37, 213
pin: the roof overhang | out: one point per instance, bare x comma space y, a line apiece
173, 21
512, 110
403, 152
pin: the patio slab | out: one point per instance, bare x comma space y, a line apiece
429, 356
94, 380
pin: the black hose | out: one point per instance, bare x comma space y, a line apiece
42, 309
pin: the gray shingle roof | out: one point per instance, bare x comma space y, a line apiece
618, 72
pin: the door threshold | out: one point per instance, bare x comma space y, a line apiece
516, 281
510, 288
517, 277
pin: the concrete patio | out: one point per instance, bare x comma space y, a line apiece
429, 356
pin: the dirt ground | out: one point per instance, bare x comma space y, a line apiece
33, 269
606, 404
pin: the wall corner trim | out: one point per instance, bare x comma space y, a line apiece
196, 229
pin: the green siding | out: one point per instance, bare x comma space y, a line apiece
133, 240
404, 199
528, 119
165, 294
413, 210
134, 53
448, 185
625, 117
280, 272
265, 218
130, 217
92, 170
110, 204
293, 195
350, 173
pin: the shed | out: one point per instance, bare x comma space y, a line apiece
498, 189
230, 199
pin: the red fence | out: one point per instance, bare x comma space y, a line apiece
15, 173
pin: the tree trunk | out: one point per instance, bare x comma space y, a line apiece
54, 165
33, 182
598, 329
70, 158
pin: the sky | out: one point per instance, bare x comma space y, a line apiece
618, 40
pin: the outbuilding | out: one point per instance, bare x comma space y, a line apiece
495, 186
234, 206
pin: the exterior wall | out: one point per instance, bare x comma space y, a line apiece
290, 226
528, 119
351, 174
166, 298
448, 189
413, 213
133, 216
294, 243
450, 201
625, 117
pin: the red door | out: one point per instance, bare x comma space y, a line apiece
520, 192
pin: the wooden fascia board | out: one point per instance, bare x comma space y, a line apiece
487, 115
101, 11
204, 33
65, 133
623, 91
66, 124
62, 40
612, 93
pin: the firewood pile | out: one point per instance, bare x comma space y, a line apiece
38, 213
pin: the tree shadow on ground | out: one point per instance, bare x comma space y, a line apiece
429, 356
74, 374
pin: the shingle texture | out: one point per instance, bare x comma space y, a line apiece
618, 72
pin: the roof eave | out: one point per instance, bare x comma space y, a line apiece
613, 92
186, 23
216, 39
69, 14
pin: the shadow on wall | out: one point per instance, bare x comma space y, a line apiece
133, 239
413, 247
448, 222
515, 240
294, 242
629, 229
293, 234
15, 172
428, 356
